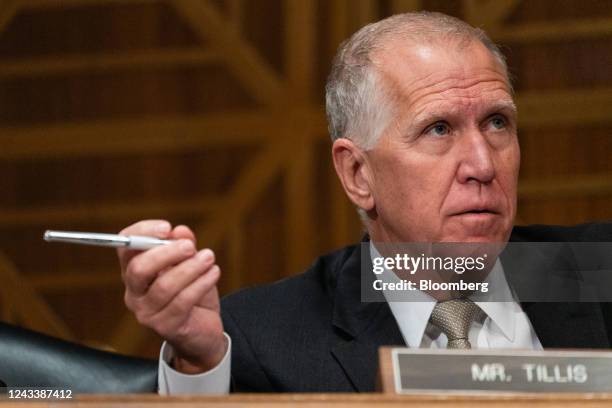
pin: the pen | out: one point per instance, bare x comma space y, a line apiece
107, 240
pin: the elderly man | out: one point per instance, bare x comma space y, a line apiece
424, 133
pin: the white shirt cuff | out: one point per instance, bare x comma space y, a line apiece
213, 381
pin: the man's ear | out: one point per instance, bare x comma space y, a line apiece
354, 173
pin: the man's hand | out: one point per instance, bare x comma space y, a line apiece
172, 290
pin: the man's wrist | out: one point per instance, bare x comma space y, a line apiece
187, 366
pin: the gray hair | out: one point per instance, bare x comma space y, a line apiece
357, 105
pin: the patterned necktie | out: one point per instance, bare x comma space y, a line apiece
454, 318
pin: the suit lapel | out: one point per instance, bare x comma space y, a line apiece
358, 356
550, 272
360, 327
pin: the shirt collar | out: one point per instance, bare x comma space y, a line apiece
412, 315
501, 313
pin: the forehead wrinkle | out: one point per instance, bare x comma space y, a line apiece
401, 91
456, 83
434, 95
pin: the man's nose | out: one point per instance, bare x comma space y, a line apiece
476, 158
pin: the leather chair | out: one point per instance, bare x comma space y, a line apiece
31, 359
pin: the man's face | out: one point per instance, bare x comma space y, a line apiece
445, 169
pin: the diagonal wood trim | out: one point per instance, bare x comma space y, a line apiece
244, 61
107, 212
94, 63
553, 31
256, 176
127, 335
27, 303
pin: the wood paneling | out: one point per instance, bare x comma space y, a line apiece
210, 113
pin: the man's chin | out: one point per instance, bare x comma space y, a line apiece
478, 228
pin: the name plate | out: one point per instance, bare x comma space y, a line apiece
408, 371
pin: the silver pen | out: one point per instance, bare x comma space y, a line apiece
108, 240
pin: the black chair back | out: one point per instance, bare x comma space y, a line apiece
31, 359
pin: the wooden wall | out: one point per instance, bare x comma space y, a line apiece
210, 113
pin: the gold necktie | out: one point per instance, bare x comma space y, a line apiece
454, 318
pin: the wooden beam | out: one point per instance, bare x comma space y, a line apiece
244, 61
143, 136
48, 4
404, 6
488, 14
134, 60
299, 44
8, 10
364, 12
108, 212
339, 24
299, 195
565, 107
28, 305
236, 14
569, 186
553, 31
67, 281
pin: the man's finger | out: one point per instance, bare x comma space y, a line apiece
172, 282
145, 267
182, 232
151, 228
169, 319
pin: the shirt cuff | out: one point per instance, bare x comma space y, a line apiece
214, 381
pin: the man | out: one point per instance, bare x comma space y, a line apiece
425, 145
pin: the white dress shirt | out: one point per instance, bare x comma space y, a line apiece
504, 325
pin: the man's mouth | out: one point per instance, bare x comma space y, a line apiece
477, 211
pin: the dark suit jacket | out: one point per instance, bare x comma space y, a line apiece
311, 332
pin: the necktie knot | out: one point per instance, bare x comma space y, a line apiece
454, 318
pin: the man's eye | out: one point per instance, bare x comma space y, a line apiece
498, 122
438, 129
